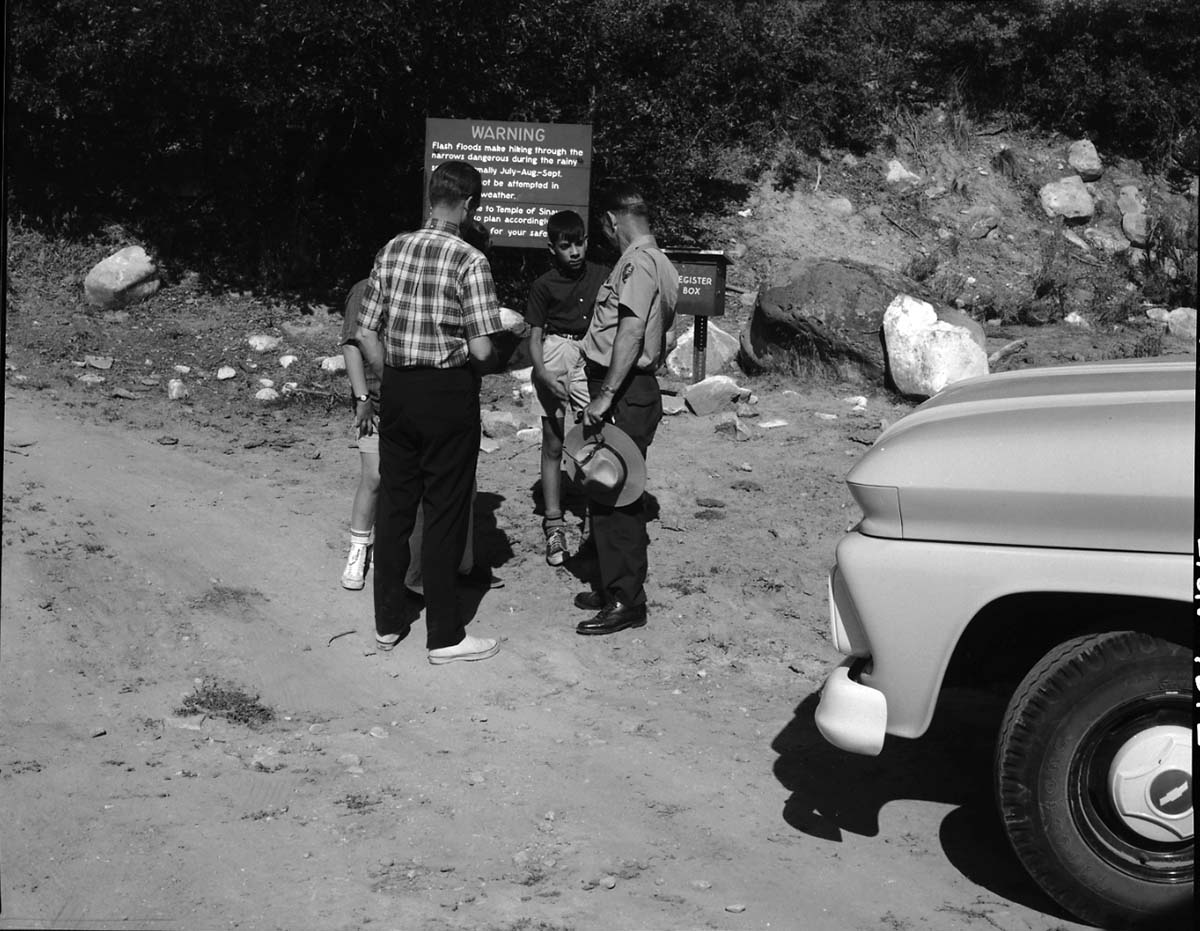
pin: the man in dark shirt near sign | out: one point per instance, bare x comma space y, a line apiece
558, 313
427, 317
624, 347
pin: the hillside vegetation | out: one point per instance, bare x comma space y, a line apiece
279, 145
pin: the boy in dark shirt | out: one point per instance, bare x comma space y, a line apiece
558, 313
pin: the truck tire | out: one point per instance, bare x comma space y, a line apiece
1094, 782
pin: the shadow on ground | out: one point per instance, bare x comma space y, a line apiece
834, 792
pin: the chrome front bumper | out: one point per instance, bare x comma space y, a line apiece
852, 716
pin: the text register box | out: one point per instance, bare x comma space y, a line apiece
530, 171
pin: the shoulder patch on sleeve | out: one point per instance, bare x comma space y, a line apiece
626, 272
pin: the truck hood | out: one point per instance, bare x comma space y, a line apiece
1094, 456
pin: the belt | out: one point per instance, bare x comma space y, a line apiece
571, 336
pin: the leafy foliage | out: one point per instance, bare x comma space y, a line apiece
283, 143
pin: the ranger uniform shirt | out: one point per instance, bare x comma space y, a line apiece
643, 283
428, 295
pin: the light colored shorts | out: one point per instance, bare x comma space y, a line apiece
564, 363
369, 443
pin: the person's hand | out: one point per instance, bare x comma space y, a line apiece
364, 417
593, 414
553, 385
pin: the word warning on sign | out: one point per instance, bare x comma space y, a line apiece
530, 171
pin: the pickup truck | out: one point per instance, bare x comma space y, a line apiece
1032, 532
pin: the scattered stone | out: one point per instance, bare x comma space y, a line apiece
736, 909
475, 778
609, 882
103, 363
729, 424
261, 342
745, 467
859, 401
333, 364
378, 731
773, 424
720, 351
744, 484
176, 389
1067, 198
823, 416
266, 383
1130, 200
266, 394
124, 277
91, 378
673, 404
701, 884
928, 351
168, 441
513, 322
183, 369
1136, 227
265, 759
124, 393
1159, 314
1181, 322
488, 445
1074, 318
530, 435
715, 393
349, 759
839, 207
286, 361
1084, 160
710, 502
981, 220
523, 375
898, 174
226, 372
497, 424
316, 728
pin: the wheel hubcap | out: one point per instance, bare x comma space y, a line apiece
1150, 782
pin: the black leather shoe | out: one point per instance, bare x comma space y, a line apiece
590, 601
614, 617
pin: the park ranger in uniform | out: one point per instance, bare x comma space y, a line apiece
625, 345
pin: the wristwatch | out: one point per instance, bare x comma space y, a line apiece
362, 397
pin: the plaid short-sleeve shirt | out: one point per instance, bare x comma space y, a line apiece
428, 294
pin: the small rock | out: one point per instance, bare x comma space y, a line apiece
349, 759
149, 380
488, 445
772, 424
609, 882
266, 394
736, 909
1074, 318
177, 390
858, 400
286, 361
124, 393
523, 375
261, 342
822, 416
701, 884
378, 731
98, 362
530, 435
316, 728
745, 467
333, 364
168, 441
91, 378
183, 369
266, 383
710, 502
225, 372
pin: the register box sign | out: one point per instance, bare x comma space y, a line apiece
530, 171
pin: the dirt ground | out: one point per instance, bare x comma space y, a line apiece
157, 553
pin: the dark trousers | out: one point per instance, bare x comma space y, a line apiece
428, 447
620, 533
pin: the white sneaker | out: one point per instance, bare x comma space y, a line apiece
356, 567
470, 649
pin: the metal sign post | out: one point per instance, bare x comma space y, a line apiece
701, 295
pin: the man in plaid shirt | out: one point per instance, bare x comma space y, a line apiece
426, 322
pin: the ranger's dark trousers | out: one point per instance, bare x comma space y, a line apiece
428, 448
620, 533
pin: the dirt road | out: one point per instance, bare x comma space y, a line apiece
666, 778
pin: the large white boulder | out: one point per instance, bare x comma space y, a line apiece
1181, 322
125, 277
925, 353
898, 174
720, 350
1084, 160
1067, 198
713, 394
